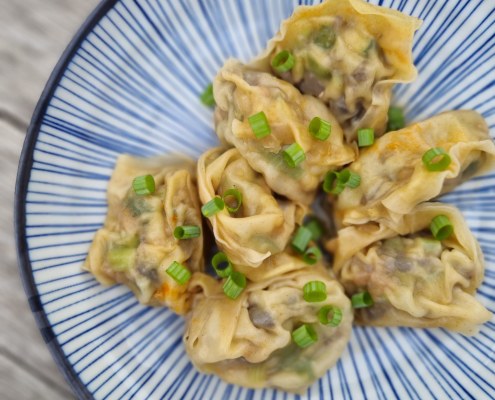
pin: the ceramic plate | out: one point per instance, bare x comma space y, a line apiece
130, 83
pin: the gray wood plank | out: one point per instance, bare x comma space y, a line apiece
20, 340
19, 383
33, 35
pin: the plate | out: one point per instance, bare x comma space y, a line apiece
130, 83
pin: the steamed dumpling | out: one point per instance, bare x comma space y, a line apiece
415, 280
255, 348
393, 177
136, 244
349, 54
241, 92
262, 226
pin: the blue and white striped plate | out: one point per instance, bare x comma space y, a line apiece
130, 83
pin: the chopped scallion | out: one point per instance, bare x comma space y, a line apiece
315, 227
283, 61
144, 185
349, 179
232, 199
332, 183
179, 273
207, 96
212, 207
234, 285
441, 227
362, 300
187, 232
294, 155
259, 124
304, 336
315, 291
320, 128
222, 265
436, 159
366, 137
396, 119
330, 316
301, 239
312, 255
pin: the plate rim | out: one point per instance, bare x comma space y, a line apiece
22, 181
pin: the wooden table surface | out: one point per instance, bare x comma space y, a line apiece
33, 34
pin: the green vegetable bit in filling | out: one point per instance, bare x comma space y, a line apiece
325, 37
370, 48
138, 205
122, 258
319, 70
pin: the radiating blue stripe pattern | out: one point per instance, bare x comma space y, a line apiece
133, 86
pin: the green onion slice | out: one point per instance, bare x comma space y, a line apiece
301, 239
330, 315
436, 159
304, 336
312, 255
234, 285
441, 227
349, 179
187, 232
396, 119
232, 196
332, 183
207, 96
320, 128
294, 155
283, 61
179, 273
259, 124
222, 265
362, 300
315, 291
316, 229
144, 185
366, 137
212, 207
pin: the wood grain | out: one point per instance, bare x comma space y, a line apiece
33, 35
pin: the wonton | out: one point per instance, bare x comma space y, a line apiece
136, 244
393, 177
263, 224
414, 280
241, 92
349, 54
255, 348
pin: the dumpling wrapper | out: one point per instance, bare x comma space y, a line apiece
276, 265
136, 244
349, 54
255, 348
263, 225
393, 177
241, 92
415, 281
